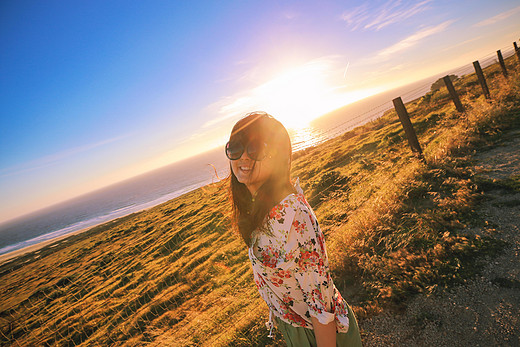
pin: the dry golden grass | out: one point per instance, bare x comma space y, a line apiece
177, 275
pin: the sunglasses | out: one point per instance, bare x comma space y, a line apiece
256, 150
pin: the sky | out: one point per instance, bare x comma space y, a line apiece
94, 92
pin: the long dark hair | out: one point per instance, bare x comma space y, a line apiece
249, 215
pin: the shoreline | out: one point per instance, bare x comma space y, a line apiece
6, 257
31, 248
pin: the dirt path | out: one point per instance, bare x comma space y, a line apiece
486, 310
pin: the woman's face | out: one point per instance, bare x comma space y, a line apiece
252, 174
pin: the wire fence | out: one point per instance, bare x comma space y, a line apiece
152, 278
354, 120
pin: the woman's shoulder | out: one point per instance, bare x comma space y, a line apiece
300, 202
289, 207
283, 209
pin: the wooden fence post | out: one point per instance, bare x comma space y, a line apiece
517, 51
408, 128
481, 79
502, 63
453, 93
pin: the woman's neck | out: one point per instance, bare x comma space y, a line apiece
278, 194
286, 191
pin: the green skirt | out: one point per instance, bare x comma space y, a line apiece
303, 337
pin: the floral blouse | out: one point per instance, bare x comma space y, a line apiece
291, 269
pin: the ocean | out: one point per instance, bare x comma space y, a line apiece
161, 185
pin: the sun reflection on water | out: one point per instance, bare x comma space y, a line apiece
306, 137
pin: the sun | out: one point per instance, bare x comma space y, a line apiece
297, 96
303, 93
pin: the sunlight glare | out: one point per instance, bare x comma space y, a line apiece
304, 93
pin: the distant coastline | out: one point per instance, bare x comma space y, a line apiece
156, 187
5, 257
118, 200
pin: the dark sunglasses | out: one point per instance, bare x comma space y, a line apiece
256, 150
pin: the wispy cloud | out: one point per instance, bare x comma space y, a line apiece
231, 107
290, 15
413, 39
463, 43
378, 17
51, 159
498, 17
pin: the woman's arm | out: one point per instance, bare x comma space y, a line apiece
325, 333
313, 276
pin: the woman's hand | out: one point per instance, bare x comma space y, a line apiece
325, 333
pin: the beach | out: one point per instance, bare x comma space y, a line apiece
34, 248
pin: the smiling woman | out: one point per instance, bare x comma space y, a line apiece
285, 244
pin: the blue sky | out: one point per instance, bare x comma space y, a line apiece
93, 92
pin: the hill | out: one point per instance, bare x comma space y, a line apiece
396, 226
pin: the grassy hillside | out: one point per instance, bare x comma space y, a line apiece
176, 274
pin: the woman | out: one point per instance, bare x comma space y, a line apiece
286, 246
